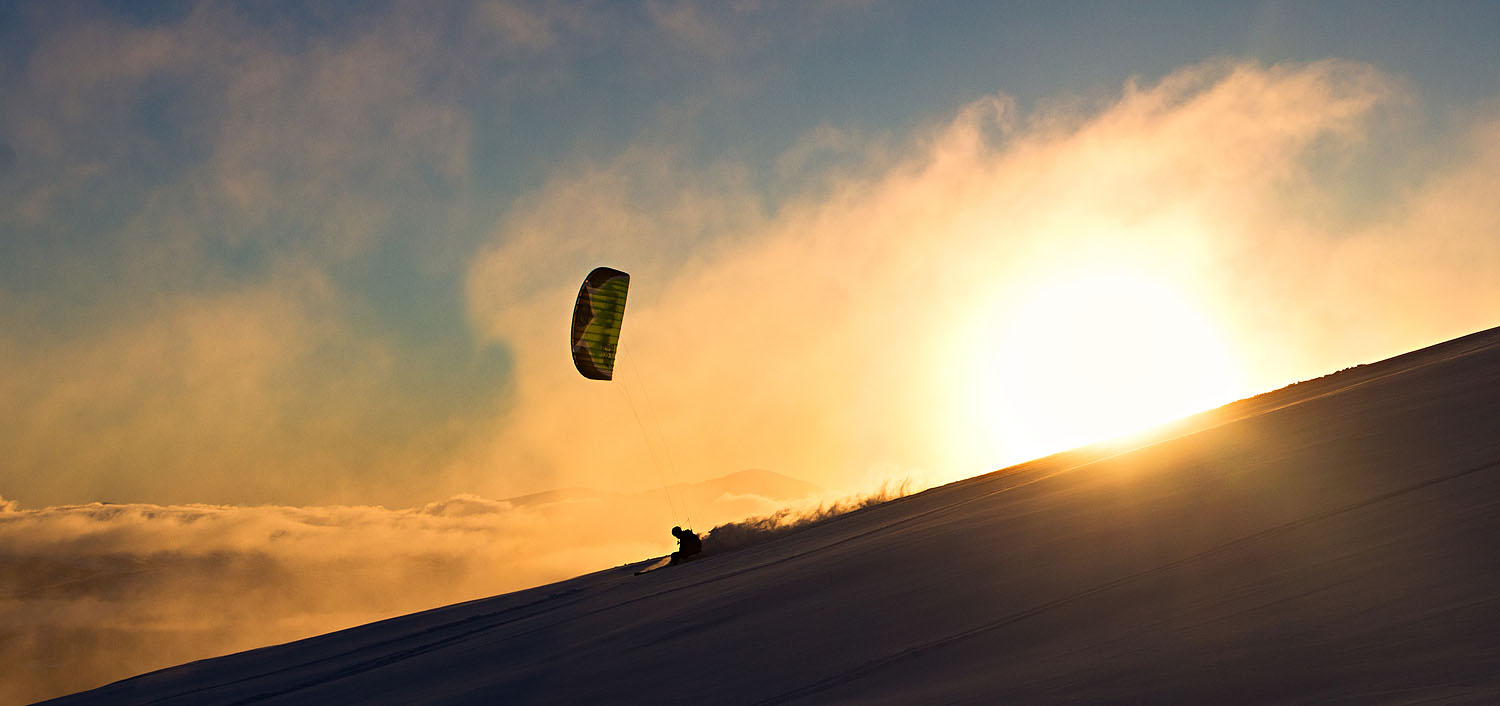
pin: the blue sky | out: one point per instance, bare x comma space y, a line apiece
243, 245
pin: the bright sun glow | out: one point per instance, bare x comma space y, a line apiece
1087, 356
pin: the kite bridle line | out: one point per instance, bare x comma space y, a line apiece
668, 476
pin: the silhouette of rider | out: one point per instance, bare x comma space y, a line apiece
688, 544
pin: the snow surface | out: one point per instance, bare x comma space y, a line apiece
1337, 541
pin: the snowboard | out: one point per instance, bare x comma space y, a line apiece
658, 564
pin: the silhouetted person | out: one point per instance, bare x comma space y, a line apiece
688, 544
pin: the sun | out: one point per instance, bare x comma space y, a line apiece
1083, 355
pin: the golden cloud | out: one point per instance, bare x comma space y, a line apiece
814, 336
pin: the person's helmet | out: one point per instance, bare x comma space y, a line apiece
676, 531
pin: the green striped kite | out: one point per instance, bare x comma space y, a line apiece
596, 322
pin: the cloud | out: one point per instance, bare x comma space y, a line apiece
97, 592
518, 25
312, 194
718, 30
824, 336
686, 22
198, 203
191, 394
208, 144
1430, 266
826, 141
304, 182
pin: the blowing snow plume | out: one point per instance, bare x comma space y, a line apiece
734, 535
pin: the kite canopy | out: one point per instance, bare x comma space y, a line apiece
596, 322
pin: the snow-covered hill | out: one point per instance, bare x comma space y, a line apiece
1337, 541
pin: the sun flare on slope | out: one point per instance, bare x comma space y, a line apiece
1082, 355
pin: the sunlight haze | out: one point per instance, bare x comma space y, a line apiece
1088, 354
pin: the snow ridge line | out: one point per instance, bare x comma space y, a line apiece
876, 664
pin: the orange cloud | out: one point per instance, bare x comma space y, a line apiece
98, 592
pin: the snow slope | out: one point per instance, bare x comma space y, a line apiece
1337, 541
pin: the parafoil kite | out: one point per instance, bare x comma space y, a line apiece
596, 322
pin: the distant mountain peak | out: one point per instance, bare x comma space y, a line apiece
759, 481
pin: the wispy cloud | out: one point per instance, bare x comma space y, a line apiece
687, 22
203, 196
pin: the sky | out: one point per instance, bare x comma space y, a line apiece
282, 269
324, 253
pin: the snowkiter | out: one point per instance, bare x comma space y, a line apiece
688, 544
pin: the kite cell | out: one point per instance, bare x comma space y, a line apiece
596, 322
